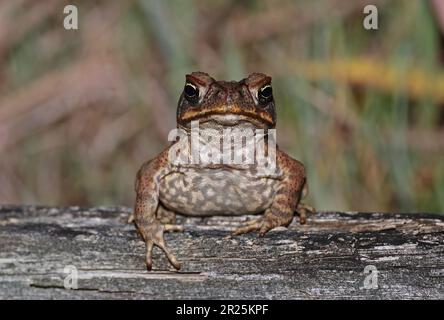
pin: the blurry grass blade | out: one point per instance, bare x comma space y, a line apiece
418, 83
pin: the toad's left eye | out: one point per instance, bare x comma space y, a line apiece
265, 93
191, 92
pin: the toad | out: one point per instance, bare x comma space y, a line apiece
171, 183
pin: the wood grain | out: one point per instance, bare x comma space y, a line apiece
324, 259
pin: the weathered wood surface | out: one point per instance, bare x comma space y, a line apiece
323, 259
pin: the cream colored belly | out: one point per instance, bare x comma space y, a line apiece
205, 192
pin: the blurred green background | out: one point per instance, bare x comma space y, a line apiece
81, 110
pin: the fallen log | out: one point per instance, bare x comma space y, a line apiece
92, 253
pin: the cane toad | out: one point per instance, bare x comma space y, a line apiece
165, 187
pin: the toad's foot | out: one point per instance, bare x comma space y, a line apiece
153, 235
248, 226
264, 224
303, 210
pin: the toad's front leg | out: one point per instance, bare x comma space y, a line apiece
286, 199
147, 203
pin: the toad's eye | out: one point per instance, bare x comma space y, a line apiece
265, 93
191, 92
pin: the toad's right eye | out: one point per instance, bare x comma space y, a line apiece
191, 92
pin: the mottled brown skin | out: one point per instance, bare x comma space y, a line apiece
164, 189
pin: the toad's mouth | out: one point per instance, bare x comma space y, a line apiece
228, 117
